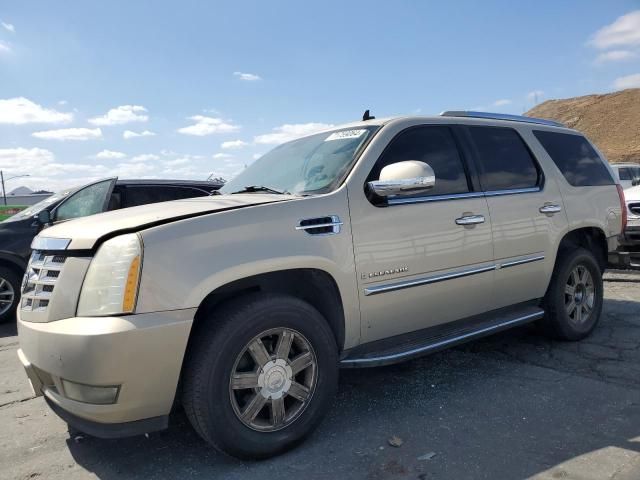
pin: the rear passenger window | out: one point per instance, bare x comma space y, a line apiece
433, 145
576, 158
144, 195
504, 160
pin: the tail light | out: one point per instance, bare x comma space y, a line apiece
623, 207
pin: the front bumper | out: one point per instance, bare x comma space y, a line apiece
141, 354
631, 235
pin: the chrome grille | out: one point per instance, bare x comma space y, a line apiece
39, 281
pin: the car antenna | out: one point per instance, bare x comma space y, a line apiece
366, 116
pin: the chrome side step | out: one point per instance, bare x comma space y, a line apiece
407, 349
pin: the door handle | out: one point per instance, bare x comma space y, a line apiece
550, 209
470, 220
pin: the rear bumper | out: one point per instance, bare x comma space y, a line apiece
141, 354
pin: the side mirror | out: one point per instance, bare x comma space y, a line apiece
44, 217
404, 178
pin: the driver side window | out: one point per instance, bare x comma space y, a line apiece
433, 145
88, 201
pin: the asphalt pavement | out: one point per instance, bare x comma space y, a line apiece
511, 406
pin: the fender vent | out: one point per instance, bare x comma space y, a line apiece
329, 225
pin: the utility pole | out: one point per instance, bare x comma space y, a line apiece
4, 193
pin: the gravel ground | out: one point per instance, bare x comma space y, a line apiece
511, 406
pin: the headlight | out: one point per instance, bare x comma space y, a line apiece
111, 284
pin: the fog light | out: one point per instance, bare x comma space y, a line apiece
90, 393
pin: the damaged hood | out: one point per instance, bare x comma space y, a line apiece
83, 233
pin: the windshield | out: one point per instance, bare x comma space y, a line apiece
309, 165
38, 207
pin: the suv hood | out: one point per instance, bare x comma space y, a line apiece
632, 194
85, 232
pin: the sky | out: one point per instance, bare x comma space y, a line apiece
184, 89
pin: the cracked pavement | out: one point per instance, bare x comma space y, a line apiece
511, 406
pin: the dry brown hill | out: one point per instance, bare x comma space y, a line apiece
611, 121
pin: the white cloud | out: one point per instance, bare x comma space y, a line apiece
69, 134
121, 115
208, 126
502, 102
219, 156
287, 132
233, 145
178, 162
135, 169
9, 27
629, 81
247, 77
22, 160
128, 134
62, 102
615, 56
256, 156
110, 155
535, 95
4, 48
20, 110
145, 157
623, 32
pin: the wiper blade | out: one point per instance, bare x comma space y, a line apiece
261, 188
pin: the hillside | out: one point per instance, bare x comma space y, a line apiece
611, 121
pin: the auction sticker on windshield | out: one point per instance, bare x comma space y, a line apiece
344, 134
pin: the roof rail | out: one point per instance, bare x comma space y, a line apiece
501, 116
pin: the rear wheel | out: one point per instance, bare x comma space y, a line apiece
260, 376
573, 302
9, 294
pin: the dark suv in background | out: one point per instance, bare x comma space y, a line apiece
17, 232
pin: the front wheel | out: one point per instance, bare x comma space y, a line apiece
573, 302
9, 294
260, 375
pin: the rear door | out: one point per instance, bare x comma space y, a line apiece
526, 208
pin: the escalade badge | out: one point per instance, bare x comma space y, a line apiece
384, 273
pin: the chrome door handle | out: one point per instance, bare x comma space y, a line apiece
550, 209
470, 220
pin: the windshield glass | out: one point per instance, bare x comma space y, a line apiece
309, 165
35, 209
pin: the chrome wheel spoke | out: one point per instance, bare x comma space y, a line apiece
2, 283
299, 392
569, 289
253, 408
584, 275
570, 307
578, 316
278, 413
284, 344
259, 352
301, 362
242, 381
575, 276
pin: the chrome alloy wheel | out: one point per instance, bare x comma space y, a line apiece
7, 296
273, 379
579, 295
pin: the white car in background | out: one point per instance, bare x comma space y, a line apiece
631, 235
627, 173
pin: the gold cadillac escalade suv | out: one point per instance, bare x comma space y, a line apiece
363, 245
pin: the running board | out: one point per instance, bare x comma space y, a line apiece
415, 344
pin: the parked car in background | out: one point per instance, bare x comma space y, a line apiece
628, 174
363, 245
17, 232
631, 237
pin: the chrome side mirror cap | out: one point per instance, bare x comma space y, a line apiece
404, 178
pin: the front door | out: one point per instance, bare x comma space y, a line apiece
422, 260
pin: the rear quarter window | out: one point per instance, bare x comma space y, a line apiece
575, 158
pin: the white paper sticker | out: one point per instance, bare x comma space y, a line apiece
345, 134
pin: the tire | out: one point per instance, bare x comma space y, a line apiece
9, 288
573, 316
215, 407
